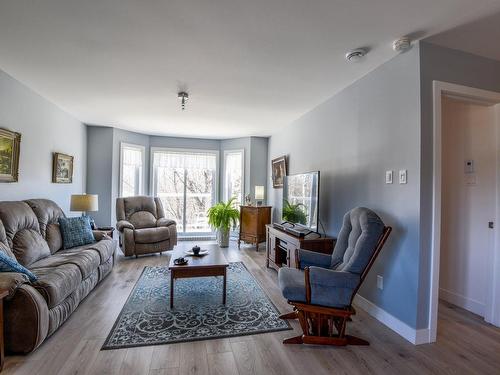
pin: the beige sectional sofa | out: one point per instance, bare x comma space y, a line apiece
29, 231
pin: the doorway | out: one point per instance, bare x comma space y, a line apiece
465, 263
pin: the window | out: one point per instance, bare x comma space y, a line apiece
186, 182
233, 175
131, 170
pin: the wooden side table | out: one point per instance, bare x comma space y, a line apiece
108, 231
253, 221
3, 293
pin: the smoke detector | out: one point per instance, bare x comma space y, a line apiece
401, 44
355, 54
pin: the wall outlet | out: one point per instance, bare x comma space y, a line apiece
380, 282
403, 176
388, 177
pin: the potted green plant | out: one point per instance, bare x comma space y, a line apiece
294, 213
221, 217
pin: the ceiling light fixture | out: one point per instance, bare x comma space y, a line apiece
183, 96
355, 55
402, 44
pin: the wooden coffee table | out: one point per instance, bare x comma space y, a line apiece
212, 264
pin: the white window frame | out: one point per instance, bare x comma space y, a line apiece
140, 148
185, 150
224, 192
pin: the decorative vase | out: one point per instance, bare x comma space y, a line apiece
223, 237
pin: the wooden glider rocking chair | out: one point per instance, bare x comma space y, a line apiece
322, 288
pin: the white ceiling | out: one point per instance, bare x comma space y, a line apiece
249, 66
479, 37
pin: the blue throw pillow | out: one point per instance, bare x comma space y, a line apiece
76, 231
7, 264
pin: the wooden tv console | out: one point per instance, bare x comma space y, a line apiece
280, 246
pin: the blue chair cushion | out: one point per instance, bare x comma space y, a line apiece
361, 230
332, 288
76, 231
292, 284
8, 264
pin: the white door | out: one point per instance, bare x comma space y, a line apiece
468, 203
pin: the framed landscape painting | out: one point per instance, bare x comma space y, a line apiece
10, 143
62, 168
278, 167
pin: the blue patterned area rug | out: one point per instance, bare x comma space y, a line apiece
198, 314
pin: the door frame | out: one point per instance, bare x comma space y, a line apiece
492, 310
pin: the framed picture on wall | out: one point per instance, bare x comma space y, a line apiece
62, 168
10, 143
278, 167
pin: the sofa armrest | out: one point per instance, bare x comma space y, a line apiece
26, 319
122, 224
164, 222
308, 258
10, 281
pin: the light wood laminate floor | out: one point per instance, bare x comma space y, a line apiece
466, 345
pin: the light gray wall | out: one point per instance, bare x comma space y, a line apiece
258, 164
447, 65
100, 170
352, 139
45, 128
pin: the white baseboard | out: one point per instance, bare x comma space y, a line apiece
459, 300
415, 336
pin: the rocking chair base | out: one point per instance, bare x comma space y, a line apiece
319, 324
320, 340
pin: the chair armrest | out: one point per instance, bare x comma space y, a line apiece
164, 222
10, 281
310, 258
122, 224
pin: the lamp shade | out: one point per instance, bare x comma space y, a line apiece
259, 193
84, 202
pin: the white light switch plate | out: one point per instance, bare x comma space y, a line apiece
403, 176
380, 282
388, 177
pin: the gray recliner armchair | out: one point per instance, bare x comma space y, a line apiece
142, 226
323, 287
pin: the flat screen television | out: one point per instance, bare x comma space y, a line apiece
301, 200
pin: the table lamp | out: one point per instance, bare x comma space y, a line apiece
85, 203
259, 194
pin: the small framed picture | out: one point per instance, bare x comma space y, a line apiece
62, 168
278, 167
10, 144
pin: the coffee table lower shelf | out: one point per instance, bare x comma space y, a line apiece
188, 272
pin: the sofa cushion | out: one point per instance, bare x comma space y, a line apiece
53, 237
29, 246
23, 232
105, 249
151, 235
8, 264
4, 244
56, 283
87, 261
76, 231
